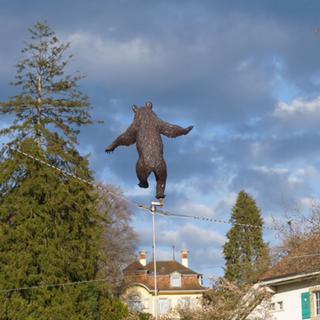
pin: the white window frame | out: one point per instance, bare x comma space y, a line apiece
185, 302
135, 303
316, 302
276, 306
175, 280
164, 306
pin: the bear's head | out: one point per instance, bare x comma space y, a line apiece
143, 112
147, 107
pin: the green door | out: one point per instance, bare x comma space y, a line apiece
305, 305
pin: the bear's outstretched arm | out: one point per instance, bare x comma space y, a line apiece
125, 139
172, 130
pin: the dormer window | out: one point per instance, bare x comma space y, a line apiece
175, 279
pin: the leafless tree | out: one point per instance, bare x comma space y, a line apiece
119, 238
227, 301
295, 228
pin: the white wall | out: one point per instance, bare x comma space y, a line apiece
195, 299
173, 299
290, 296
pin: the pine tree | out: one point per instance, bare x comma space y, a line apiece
245, 252
51, 227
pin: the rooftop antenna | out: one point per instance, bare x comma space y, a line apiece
173, 252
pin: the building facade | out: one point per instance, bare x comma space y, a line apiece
294, 283
295, 297
177, 285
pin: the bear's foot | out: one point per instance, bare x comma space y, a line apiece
160, 196
143, 184
161, 201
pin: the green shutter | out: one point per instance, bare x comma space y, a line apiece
305, 305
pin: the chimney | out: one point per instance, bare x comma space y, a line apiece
143, 257
185, 258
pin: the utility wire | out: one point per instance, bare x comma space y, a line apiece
214, 220
104, 279
246, 263
160, 212
72, 175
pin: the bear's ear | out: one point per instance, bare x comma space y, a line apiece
134, 108
149, 105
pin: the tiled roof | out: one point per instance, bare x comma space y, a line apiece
305, 259
134, 267
163, 268
136, 273
163, 283
167, 267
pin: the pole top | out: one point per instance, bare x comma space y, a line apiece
159, 203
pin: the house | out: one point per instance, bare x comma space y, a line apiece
295, 284
177, 285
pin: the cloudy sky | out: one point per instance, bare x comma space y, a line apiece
245, 73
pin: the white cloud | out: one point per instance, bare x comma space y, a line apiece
298, 107
295, 176
119, 62
271, 170
136, 62
96, 50
303, 175
307, 203
197, 209
191, 236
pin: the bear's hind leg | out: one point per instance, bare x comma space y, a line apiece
161, 178
142, 174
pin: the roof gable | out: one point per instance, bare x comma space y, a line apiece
168, 267
135, 267
136, 274
304, 260
163, 268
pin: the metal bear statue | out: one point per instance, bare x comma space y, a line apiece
146, 131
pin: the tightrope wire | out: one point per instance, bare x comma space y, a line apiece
160, 212
214, 220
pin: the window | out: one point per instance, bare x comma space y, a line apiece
135, 303
317, 300
184, 302
276, 306
175, 279
164, 306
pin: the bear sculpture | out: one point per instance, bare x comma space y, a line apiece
146, 131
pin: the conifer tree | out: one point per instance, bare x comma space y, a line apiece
50, 226
245, 252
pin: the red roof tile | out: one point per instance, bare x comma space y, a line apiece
136, 273
167, 267
305, 259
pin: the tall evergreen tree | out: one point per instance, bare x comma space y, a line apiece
50, 225
245, 252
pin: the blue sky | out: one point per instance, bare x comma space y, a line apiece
245, 73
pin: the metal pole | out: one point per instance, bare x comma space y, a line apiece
153, 209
